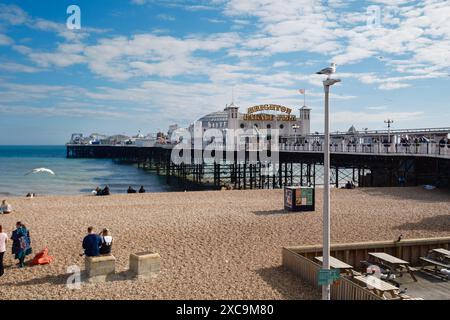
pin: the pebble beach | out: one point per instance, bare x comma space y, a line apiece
213, 245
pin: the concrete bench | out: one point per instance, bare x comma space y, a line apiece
99, 269
145, 265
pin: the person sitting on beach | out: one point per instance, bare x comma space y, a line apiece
97, 191
21, 246
106, 191
141, 189
349, 185
106, 242
3, 242
91, 243
131, 190
5, 208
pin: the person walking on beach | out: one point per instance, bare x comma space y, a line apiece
3, 242
92, 243
106, 242
21, 246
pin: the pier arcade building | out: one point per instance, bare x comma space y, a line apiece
292, 124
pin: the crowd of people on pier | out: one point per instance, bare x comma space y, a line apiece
404, 141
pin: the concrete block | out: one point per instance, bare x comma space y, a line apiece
98, 269
145, 265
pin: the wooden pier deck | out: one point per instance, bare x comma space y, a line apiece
366, 166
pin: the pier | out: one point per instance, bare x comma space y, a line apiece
367, 165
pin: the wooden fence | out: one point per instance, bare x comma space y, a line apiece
300, 260
308, 270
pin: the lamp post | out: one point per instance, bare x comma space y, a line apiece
326, 188
295, 127
389, 121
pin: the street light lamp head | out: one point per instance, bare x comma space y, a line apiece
330, 82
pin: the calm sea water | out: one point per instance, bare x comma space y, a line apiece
73, 176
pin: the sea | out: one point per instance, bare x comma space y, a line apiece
72, 176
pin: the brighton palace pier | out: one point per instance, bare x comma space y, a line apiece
377, 158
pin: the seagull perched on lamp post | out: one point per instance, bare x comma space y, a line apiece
38, 170
328, 71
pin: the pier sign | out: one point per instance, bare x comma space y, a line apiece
269, 117
269, 107
250, 116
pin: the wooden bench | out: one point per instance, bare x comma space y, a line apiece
381, 288
435, 264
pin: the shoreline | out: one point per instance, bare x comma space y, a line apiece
169, 191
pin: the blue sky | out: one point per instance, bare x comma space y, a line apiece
144, 64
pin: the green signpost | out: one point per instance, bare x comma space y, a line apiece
328, 276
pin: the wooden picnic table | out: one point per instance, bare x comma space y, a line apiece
437, 259
441, 251
393, 263
336, 263
387, 258
378, 286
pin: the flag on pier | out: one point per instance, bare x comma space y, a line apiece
303, 92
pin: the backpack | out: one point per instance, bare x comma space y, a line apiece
42, 258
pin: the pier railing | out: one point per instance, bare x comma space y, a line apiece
429, 149
423, 149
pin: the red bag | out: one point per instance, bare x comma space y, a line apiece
42, 258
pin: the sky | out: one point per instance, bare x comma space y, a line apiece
145, 64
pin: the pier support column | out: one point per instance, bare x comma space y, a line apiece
337, 177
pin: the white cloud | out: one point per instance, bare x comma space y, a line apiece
22, 49
393, 85
279, 64
165, 17
377, 108
370, 119
12, 15
17, 67
5, 40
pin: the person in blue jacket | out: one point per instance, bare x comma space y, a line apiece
92, 243
21, 246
